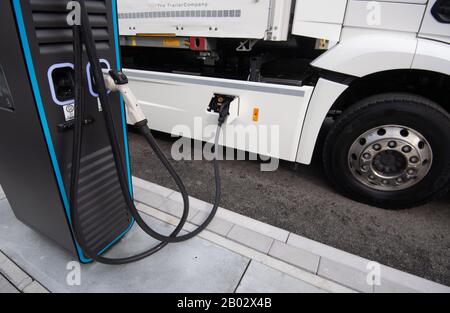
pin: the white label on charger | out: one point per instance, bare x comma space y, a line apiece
99, 105
69, 112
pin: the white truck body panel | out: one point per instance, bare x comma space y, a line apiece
381, 42
397, 16
278, 27
432, 56
319, 18
172, 102
362, 52
325, 94
433, 29
262, 19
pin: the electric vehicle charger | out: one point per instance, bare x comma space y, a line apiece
54, 67
83, 35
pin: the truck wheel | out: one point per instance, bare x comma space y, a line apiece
391, 151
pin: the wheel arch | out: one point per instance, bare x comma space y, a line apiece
431, 85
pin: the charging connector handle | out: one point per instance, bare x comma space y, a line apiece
118, 82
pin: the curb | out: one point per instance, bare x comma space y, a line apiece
16, 276
283, 250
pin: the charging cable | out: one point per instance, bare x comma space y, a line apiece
118, 82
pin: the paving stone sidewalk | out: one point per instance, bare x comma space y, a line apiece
235, 254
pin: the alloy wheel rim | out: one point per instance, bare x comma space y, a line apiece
390, 158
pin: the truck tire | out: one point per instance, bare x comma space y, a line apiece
391, 151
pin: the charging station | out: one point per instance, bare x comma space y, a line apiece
65, 161
36, 124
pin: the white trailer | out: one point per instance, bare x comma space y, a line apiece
379, 69
211, 18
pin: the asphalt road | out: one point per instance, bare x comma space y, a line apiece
300, 200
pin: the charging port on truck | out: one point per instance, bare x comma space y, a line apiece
218, 101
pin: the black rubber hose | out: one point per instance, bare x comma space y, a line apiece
75, 171
145, 131
78, 135
111, 130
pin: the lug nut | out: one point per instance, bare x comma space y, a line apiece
377, 147
367, 156
392, 144
414, 159
399, 180
406, 149
385, 182
371, 177
365, 167
411, 171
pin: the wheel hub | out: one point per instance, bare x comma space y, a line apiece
390, 158
389, 163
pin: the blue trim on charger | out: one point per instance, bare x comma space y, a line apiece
122, 109
122, 104
45, 127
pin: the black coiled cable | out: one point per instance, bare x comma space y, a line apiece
83, 34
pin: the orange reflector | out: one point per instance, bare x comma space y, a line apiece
171, 42
255, 114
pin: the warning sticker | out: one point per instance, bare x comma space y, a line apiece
69, 112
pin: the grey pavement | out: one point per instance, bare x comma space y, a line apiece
260, 278
6, 286
236, 254
301, 201
194, 266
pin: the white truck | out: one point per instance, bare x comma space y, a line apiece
380, 70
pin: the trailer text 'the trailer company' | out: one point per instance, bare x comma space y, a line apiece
380, 70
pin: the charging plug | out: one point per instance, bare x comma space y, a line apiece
221, 104
224, 112
118, 81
